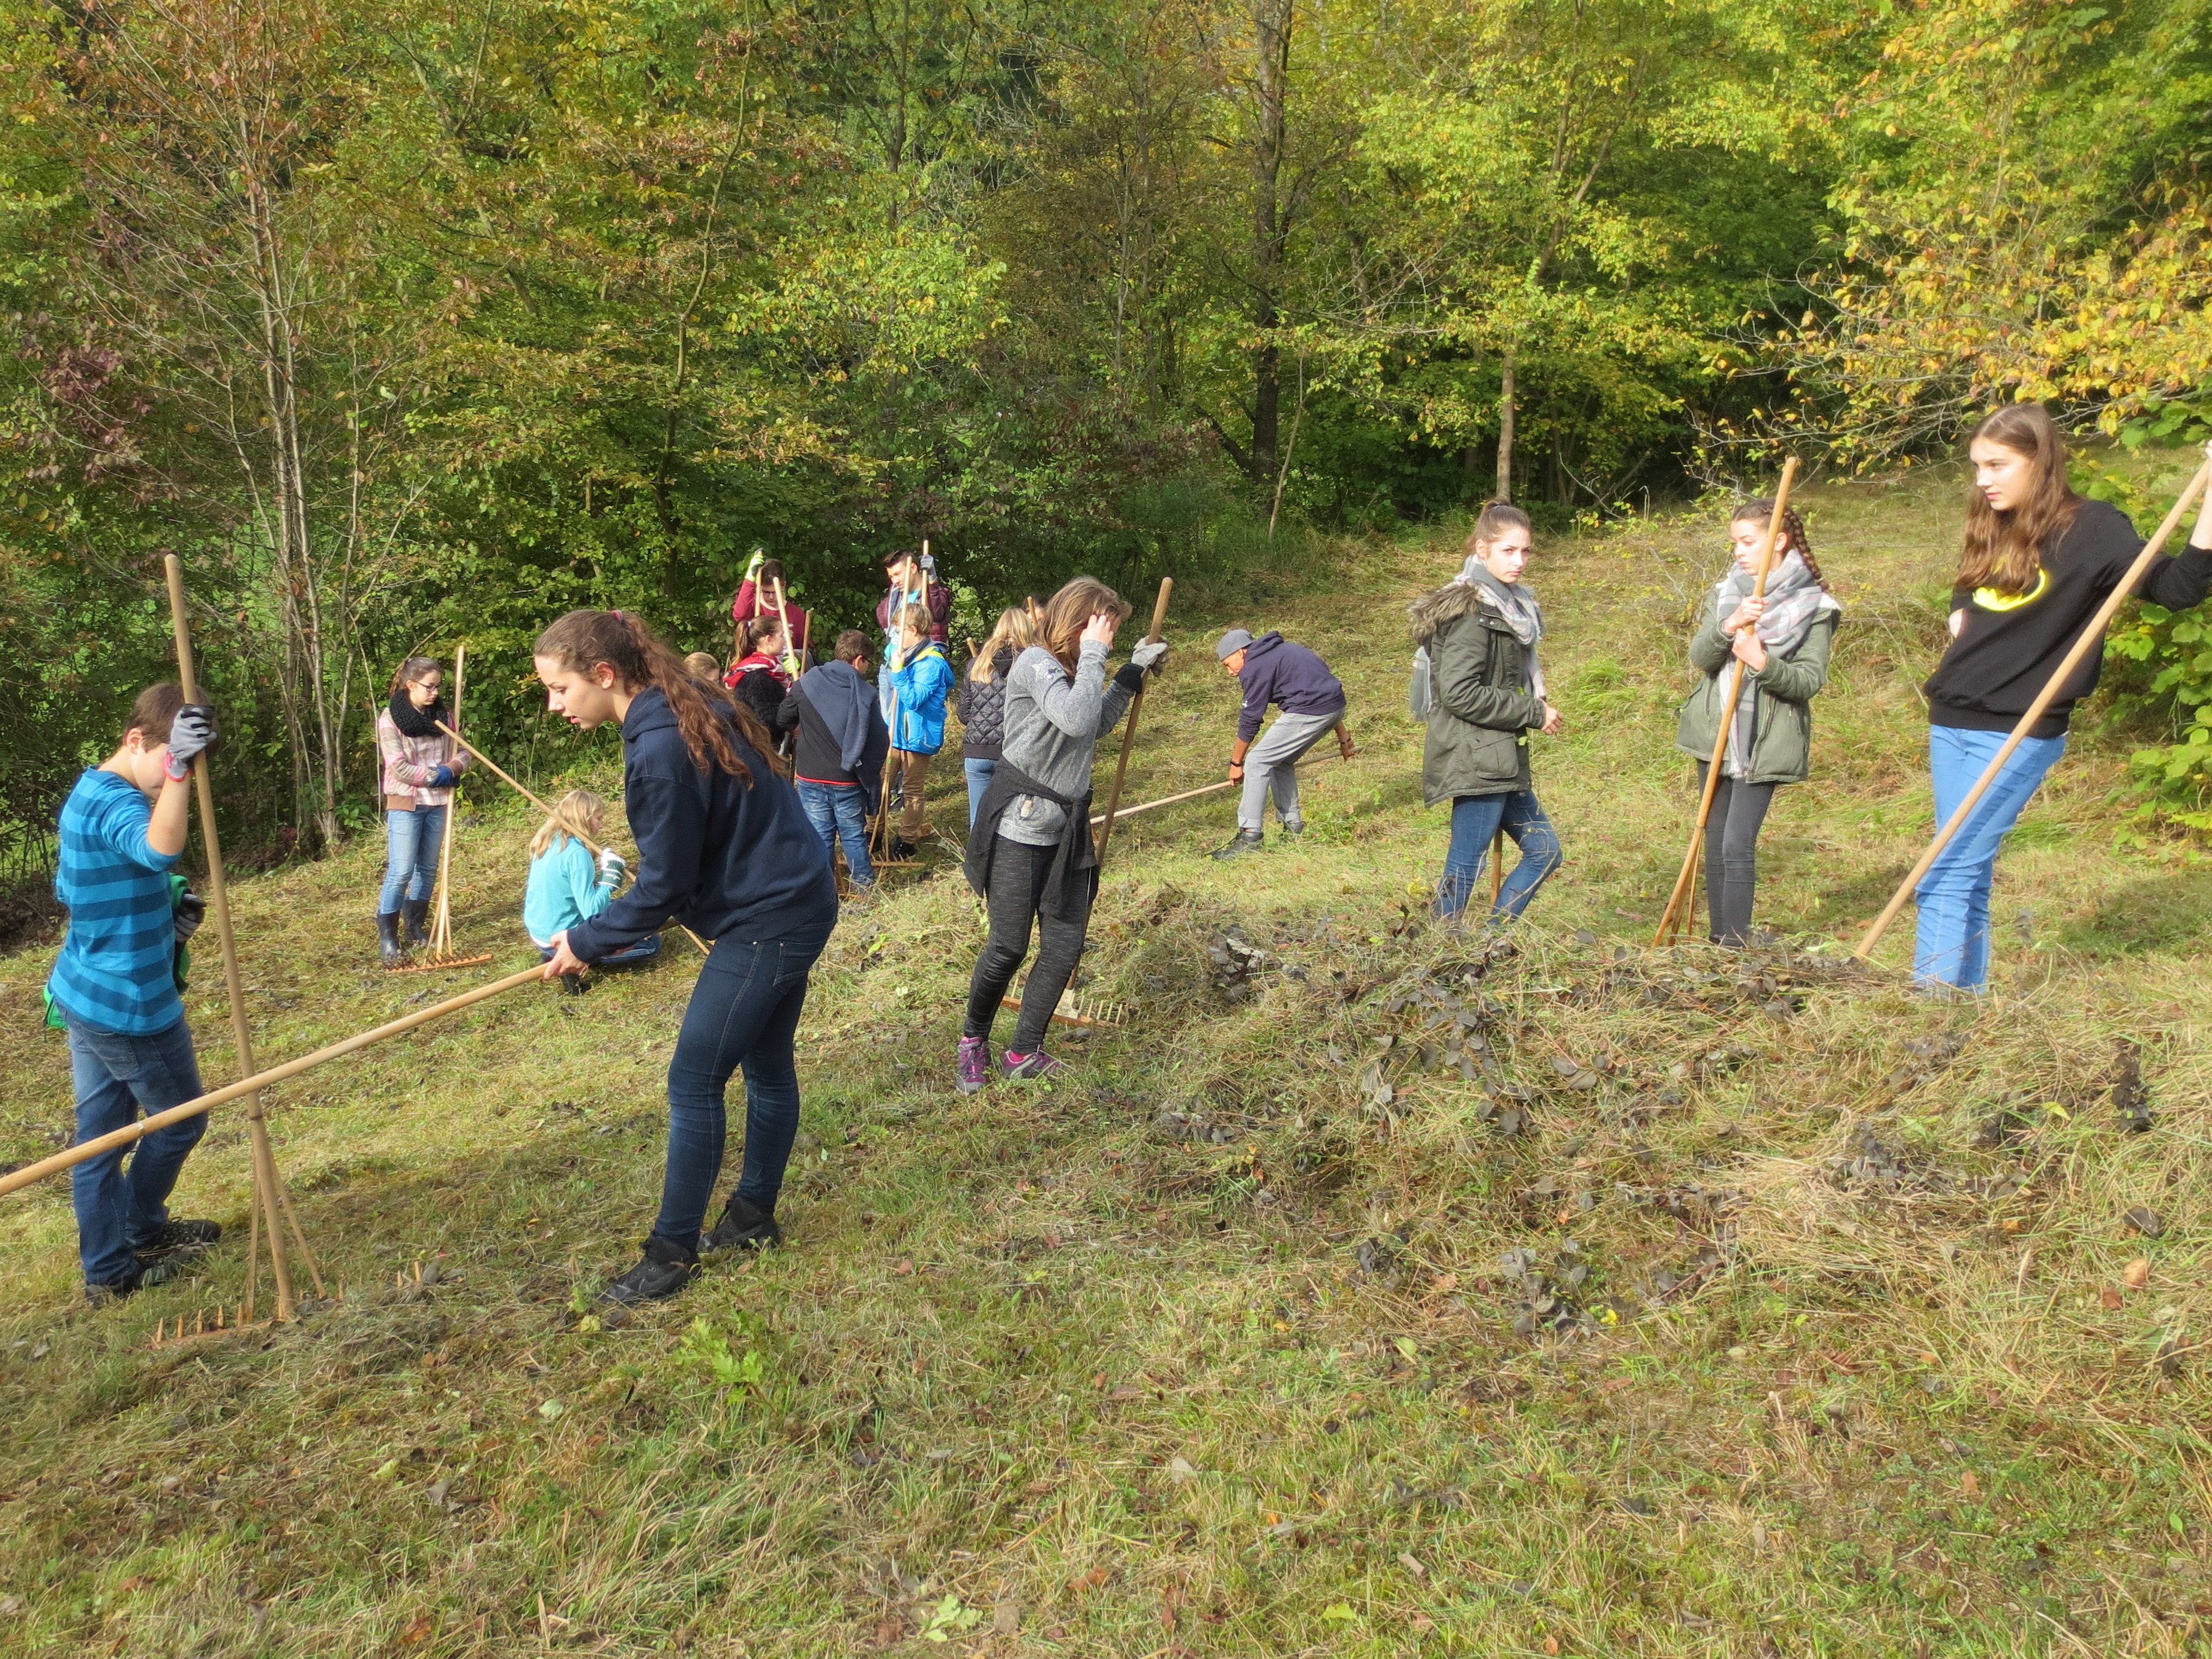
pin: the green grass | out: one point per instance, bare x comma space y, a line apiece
1785, 1325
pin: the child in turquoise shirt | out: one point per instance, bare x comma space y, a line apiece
569, 884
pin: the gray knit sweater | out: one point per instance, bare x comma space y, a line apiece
1052, 725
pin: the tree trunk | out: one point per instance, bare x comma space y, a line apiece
1505, 413
1272, 21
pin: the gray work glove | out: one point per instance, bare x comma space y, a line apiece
191, 734
190, 912
1148, 653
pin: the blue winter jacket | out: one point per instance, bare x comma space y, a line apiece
921, 684
714, 853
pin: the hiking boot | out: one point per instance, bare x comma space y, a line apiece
902, 848
1247, 840
178, 1238
149, 1275
1289, 831
388, 941
1024, 1068
971, 1065
415, 913
742, 1226
666, 1268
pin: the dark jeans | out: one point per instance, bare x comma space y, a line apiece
1476, 820
1018, 878
118, 1079
744, 1013
1732, 851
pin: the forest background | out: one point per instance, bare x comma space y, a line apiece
403, 323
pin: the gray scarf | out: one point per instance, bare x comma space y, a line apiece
1794, 602
1515, 602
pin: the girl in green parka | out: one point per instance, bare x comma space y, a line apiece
1782, 641
1480, 633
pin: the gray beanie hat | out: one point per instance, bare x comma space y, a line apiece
1231, 642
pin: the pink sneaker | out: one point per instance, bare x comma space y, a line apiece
1023, 1068
972, 1066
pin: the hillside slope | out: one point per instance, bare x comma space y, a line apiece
1363, 1296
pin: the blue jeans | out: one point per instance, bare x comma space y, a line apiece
839, 812
119, 1078
979, 779
410, 855
1951, 944
1476, 820
744, 1013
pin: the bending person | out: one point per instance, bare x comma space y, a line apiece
2038, 563
723, 848
1480, 633
1030, 852
570, 884
1271, 668
1782, 641
419, 764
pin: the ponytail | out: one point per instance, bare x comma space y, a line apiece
704, 712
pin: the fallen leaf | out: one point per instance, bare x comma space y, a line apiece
2146, 1221
2136, 1274
2109, 1298
418, 1628
1550, 1644
1970, 1483
1006, 1618
1181, 1469
1412, 1564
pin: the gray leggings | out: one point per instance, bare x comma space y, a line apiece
1732, 852
1018, 874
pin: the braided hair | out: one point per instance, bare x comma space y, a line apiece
1793, 530
704, 712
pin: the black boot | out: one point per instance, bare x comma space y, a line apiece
1247, 840
417, 912
743, 1227
388, 939
667, 1268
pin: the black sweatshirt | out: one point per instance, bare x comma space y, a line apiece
819, 757
716, 854
2006, 651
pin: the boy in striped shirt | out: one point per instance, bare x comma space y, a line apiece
115, 986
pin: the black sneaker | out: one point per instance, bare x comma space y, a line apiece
1247, 840
184, 1238
149, 1275
666, 1269
743, 1227
902, 849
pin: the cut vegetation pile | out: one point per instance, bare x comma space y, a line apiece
1374, 1291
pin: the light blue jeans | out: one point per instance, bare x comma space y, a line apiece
839, 812
979, 779
410, 855
1951, 944
1476, 819
117, 1079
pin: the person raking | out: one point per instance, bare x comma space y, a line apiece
1272, 670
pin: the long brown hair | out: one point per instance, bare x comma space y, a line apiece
1015, 629
1066, 613
762, 627
1793, 532
2005, 550
1494, 517
704, 712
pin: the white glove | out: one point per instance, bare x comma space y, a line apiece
1148, 653
611, 868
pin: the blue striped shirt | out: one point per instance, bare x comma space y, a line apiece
116, 971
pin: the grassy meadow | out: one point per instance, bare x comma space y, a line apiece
1366, 1294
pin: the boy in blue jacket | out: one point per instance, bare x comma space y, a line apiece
920, 679
1272, 670
114, 988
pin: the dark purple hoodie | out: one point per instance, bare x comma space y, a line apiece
1275, 671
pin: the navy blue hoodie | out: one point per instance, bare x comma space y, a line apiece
712, 853
1276, 671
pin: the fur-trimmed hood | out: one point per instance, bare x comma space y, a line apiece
1432, 613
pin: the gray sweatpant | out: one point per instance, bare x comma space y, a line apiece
1270, 766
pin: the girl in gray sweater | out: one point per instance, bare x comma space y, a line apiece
1029, 854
